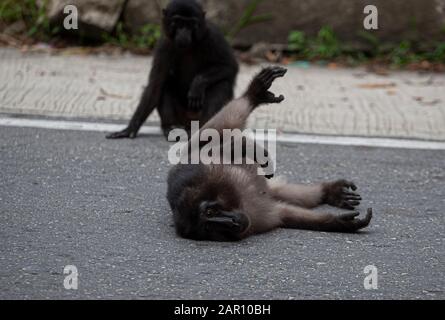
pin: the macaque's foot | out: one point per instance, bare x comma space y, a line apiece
349, 222
196, 95
196, 103
258, 92
339, 194
166, 129
126, 133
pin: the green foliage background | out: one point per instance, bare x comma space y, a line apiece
323, 46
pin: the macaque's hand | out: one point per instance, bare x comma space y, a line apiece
341, 194
196, 95
258, 92
349, 222
126, 133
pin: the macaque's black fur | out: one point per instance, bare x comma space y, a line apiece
231, 202
193, 74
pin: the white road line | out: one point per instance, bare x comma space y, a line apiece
70, 125
286, 137
363, 141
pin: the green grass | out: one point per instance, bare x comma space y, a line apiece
326, 46
248, 18
30, 14
144, 39
323, 46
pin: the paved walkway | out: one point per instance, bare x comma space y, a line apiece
318, 100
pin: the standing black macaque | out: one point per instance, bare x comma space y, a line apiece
193, 75
232, 202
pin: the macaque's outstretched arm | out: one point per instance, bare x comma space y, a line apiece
340, 193
299, 218
234, 115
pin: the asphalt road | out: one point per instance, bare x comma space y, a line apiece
74, 198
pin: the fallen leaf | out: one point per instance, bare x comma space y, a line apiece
379, 70
378, 85
431, 103
285, 61
113, 95
423, 102
247, 58
360, 75
425, 64
271, 56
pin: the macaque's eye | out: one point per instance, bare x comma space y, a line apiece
211, 212
177, 22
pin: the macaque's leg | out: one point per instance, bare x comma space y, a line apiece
217, 96
299, 218
151, 97
306, 196
336, 194
171, 113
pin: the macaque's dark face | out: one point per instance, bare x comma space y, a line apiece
212, 222
184, 24
222, 225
